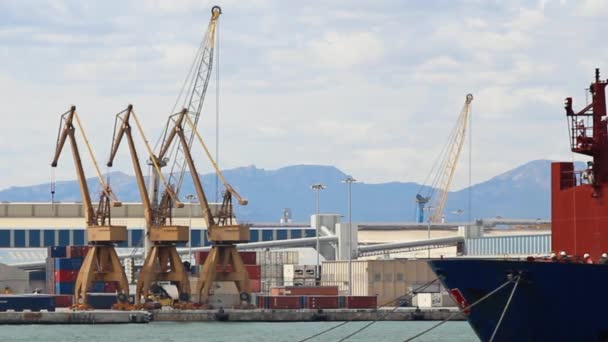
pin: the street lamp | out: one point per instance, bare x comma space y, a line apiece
350, 180
190, 198
318, 187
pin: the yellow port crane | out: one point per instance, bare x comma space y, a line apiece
162, 262
443, 170
101, 262
222, 229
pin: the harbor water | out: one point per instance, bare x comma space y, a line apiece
232, 331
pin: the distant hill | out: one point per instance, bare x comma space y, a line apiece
523, 192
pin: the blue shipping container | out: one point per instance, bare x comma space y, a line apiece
101, 300
56, 252
97, 286
27, 302
70, 264
64, 288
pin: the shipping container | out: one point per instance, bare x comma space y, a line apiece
63, 301
248, 257
285, 302
56, 252
387, 279
304, 291
277, 257
263, 302
33, 302
110, 287
76, 251
65, 276
97, 287
360, 302
64, 288
254, 271
101, 300
256, 285
322, 302
68, 264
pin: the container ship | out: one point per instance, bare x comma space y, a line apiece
550, 299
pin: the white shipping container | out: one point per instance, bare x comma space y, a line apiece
423, 300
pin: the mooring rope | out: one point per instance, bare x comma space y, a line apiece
504, 311
420, 288
463, 309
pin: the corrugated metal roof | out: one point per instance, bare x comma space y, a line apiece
509, 245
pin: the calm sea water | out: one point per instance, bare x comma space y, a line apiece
230, 332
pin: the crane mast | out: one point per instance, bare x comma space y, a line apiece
191, 97
162, 263
101, 262
448, 161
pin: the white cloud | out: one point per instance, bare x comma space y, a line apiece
373, 88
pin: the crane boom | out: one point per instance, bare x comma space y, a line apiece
449, 165
196, 84
443, 171
67, 131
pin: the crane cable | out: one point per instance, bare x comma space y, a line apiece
465, 308
409, 293
217, 106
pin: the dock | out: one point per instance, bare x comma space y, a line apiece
265, 315
75, 317
232, 315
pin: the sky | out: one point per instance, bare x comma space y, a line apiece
371, 87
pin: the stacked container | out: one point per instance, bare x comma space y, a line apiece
249, 259
272, 263
300, 275
62, 266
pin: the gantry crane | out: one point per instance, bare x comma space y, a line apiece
101, 262
437, 192
222, 229
162, 263
191, 97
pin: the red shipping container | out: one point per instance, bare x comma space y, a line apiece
200, 257
361, 302
221, 269
110, 286
256, 285
65, 276
249, 258
322, 302
76, 251
254, 271
262, 302
63, 301
285, 302
304, 291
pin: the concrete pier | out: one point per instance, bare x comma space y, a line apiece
259, 315
75, 317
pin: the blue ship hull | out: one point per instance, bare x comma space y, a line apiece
552, 302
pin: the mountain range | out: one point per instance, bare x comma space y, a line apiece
523, 192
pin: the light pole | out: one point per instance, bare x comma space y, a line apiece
190, 198
318, 187
350, 180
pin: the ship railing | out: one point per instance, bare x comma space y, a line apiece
579, 177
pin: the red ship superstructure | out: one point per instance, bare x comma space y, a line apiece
579, 199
